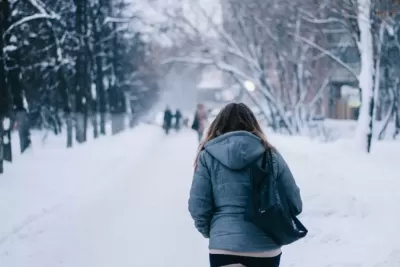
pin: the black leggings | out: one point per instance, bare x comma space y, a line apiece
218, 260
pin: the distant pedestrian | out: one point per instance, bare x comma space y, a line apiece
178, 117
200, 121
185, 122
167, 120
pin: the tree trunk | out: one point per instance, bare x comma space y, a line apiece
7, 148
80, 127
390, 115
4, 93
94, 111
86, 79
64, 92
58, 123
397, 130
95, 125
103, 123
5, 142
117, 101
397, 114
17, 94
117, 123
70, 129
98, 48
365, 120
1, 146
23, 130
129, 110
81, 75
274, 119
284, 122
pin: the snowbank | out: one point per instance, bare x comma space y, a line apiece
49, 175
350, 203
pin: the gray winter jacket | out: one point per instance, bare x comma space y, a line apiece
220, 189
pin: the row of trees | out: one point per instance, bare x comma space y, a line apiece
70, 66
374, 26
291, 49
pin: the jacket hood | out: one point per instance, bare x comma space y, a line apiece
235, 150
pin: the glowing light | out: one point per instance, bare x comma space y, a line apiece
250, 86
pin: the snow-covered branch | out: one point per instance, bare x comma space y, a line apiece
331, 55
190, 60
30, 18
119, 19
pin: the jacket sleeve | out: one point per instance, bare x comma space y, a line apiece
286, 178
201, 198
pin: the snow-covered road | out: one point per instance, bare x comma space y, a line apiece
122, 201
140, 219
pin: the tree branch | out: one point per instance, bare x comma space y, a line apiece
332, 56
28, 19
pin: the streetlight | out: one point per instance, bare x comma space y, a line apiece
250, 86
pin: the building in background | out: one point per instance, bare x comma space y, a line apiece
343, 98
213, 91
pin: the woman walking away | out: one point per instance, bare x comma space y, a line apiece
200, 121
221, 187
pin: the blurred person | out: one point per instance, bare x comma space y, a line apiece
221, 188
185, 122
200, 121
167, 119
178, 117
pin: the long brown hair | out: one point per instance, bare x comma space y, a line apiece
233, 117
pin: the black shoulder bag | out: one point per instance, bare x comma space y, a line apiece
268, 206
195, 124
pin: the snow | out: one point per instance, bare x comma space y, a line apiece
6, 123
93, 91
13, 39
25, 103
122, 201
390, 29
10, 48
6, 141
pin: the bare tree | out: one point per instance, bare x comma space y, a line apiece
366, 22
259, 42
390, 96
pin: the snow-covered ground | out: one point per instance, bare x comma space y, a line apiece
122, 201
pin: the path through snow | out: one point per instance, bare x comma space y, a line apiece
138, 217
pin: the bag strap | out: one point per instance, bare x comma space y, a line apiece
302, 229
264, 159
271, 163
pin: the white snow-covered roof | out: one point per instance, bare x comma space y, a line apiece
211, 79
